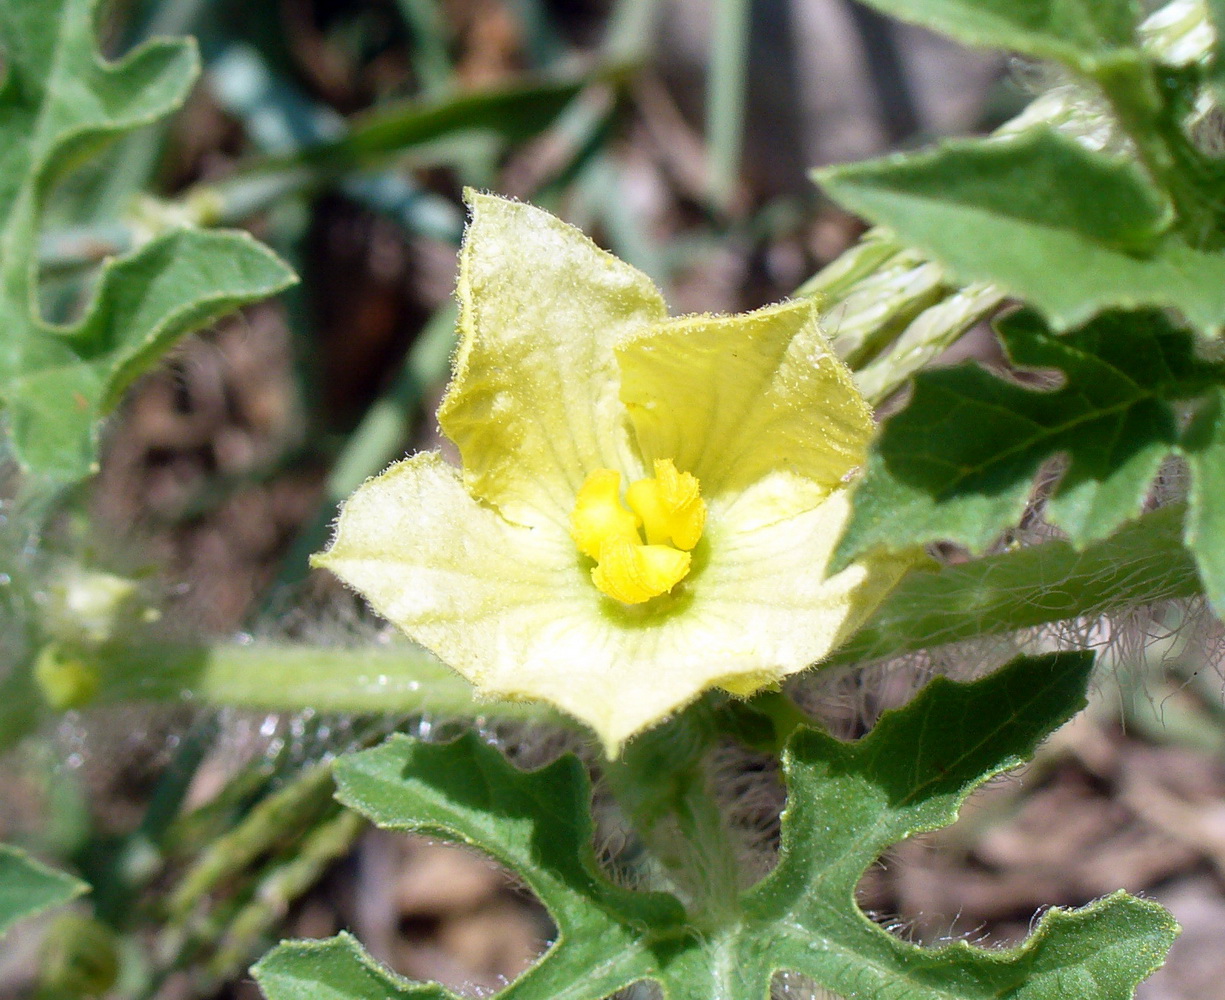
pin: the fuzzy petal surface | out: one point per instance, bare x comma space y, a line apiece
512, 607
533, 402
448, 570
734, 399
570, 383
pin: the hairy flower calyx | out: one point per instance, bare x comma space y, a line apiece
669, 510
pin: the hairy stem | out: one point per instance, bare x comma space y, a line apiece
395, 678
662, 786
1144, 562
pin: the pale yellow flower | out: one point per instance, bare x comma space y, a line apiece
646, 506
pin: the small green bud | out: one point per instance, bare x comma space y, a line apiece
89, 607
66, 678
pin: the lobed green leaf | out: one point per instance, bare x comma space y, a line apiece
1069, 230
28, 887
59, 103
959, 462
335, 969
538, 824
1040, 178
846, 804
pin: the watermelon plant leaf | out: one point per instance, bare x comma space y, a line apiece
1039, 178
959, 462
846, 804
335, 969
1079, 33
28, 887
536, 823
1019, 211
59, 103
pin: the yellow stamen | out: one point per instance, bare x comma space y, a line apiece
633, 573
598, 517
668, 506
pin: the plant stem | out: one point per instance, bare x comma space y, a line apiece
662, 787
927, 336
284, 882
1144, 562
396, 678
293, 807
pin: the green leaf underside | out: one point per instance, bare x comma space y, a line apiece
846, 804
59, 103
1040, 178
958, 463
1079, 33
1068, 261
28, 887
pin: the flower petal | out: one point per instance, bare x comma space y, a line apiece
533, 403
759, 609
732, 398
513, 608
447, 570
768, 603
